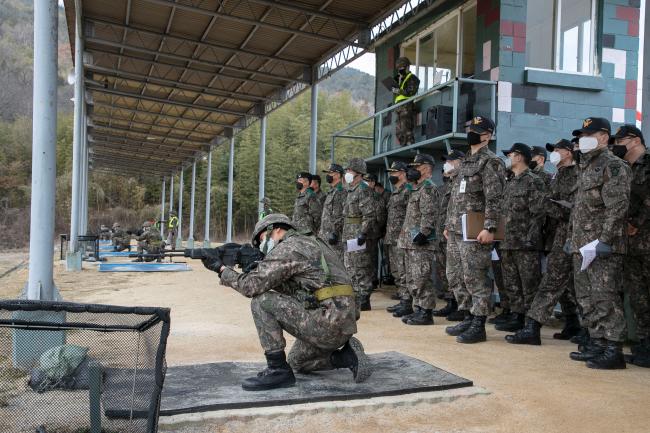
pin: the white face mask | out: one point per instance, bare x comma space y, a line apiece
447, 167
349, 178
508, 163
555, 158
267, 245
587, 144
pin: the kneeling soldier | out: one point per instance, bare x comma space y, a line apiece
300, 287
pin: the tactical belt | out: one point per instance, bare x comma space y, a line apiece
333, 291
353, 220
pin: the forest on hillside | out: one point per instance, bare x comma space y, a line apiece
344, 98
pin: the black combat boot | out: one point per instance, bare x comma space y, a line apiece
460, 327
364, 304
475, 333
504, 316
582, 337
352, 356
405, 317
571, 328
528, 335
593, 349
515, 323
611, 358
395, 296
422, 317
405, 308
640, 354
278, 374
393, 308
445, 311
456, 316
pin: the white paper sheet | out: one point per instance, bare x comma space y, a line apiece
353, 245
588, 253
495, 255
463, 222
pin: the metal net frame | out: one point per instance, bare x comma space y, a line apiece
77, 368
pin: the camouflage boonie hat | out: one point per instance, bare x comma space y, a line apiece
265, 200
357, 165
269, 220
403, 61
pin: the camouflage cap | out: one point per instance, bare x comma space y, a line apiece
423, 158
146, 224
116, 225
398, 166
334, 168
403, 61
269, 220
357, 165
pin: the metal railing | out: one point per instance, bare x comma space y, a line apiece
378, 117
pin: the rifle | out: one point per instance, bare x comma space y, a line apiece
135, 232
246, 256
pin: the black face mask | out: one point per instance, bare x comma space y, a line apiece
445, 179
473, 138
298, 185
532, 165
402, 71
619, 150
393, 179
329, 178
576, 156
412, 175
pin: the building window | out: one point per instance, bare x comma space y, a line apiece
571, 46
443, 49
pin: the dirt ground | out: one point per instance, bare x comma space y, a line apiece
533, 389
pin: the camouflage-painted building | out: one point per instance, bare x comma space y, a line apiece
541, 66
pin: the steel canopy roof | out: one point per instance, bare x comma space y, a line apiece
168, 79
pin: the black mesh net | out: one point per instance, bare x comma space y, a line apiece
76, 368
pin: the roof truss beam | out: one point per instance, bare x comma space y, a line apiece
183, 141
311, 12
111, 140
107, 121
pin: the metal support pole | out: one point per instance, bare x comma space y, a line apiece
162, 209
40, 285
171, 193
645, 94
179, 238
262, 165
208, 188
332, 149
313, 135
73, 259
84, 174
190, 239
231, 179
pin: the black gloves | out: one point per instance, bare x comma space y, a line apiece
332, 239
420, 239
567, 247
212, 260
603, 249
361, 239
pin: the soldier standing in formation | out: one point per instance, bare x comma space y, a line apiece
300, 287
359, 212
417, 238
523, 212
378, 228
557, 282
315, 185
331, 227
307, 209
600, 215
407, 84
537, 162
396, 211
478, 187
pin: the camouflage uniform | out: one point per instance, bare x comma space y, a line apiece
557, 281
600, 211
637, 262
307, 211
332, 217
377, 231
406, 113
150, 241
396, 214
279, 287
121, 239
544, 175
441, 251
420, 217
320, 196
468, 262
359, 213
523, 211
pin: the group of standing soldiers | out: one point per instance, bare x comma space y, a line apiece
598, 200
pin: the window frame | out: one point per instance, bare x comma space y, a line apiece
557, 38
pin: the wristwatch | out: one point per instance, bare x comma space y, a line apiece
492, 229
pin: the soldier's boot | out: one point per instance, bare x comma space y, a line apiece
530, 334
393, 308
352, 356
571, 328
516, 322
640, 354
611, 358
138, 260
582, 337
475, 333
461, 327
364, 304
456, 316
423, 317
447, 309
278, 374
405, 308
408, 316
395, 296
591, 350
504, 316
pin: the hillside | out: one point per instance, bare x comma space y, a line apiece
360, 85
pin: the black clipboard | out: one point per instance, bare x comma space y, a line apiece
389, 83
